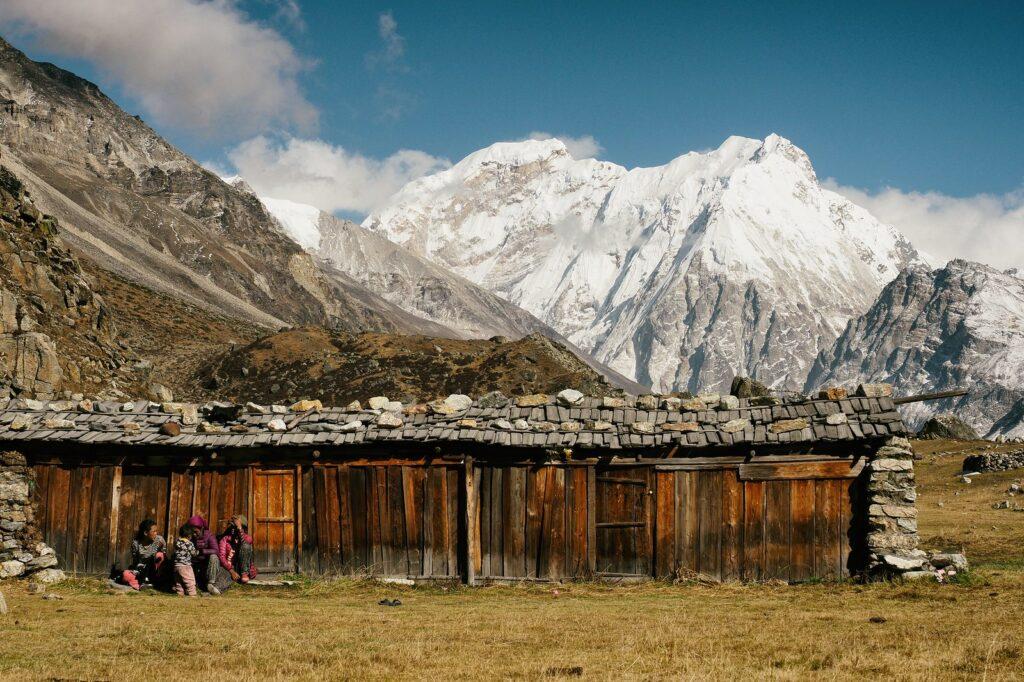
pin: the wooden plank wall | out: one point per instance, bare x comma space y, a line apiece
711, 523
533, 522
386, 520
77, 507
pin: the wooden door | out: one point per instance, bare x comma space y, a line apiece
273, 525
623, 526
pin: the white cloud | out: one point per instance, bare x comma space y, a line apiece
988, 228
197, 64
393, 44
584, 147
327, 176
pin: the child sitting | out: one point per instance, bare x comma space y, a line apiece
148, 551
184, 552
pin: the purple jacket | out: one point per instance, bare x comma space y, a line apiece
207, 543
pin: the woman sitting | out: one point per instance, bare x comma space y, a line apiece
236, 554
148, 552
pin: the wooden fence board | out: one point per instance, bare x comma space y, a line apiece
777, 530
802, 538
754, 516
732, 525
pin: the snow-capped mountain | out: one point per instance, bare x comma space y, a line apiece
734, 261
961, 326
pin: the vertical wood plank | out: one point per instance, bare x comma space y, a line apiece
777, 530
556, 514
802, 515
710, 511
472, 523
732, 525
689, 520
114, 523
310, 532
497, 522
359, 506
431, 509
579, 527
826, 530
665, 524
514, 553
455, 512
592, 519
486, 491
754, 530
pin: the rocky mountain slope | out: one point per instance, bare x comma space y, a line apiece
337, 367
960, 326
400, 276
56, 332
137, 206
734, 261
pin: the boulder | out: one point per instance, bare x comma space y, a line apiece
735, 425
682, 427
836, 419
642, 427
598, 425
307, 405
159, 393
459, 402
647, 402
277, 425
11, 569
787, 425
728, 402
947, 426
49, 576
833, 393
378, 402
388, 420
532, 400
170, 429
952, 560
746, 387
354, 406
613, 403
569, 397
875, 391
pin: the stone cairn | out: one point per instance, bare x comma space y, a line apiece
892, 540
22, 552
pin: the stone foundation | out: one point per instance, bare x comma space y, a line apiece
22, 552
892, 540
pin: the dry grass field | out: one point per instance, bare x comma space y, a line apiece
336, 630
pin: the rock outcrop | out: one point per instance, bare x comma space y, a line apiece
947, 426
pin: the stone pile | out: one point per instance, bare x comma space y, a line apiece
892, 540
995, 461
22, 553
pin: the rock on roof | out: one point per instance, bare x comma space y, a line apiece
566, 420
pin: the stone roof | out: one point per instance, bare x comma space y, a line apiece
566, 420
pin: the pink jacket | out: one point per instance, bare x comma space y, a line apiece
226, 553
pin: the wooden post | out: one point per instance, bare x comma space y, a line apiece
470, 516
298, 517
115, 513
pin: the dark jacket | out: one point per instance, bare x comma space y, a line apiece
206, 543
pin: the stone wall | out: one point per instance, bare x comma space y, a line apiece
892, 539
22, 552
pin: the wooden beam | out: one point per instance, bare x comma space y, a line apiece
801, 471
297, 492
470, 517
929, 396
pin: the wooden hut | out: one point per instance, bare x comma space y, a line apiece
534, 488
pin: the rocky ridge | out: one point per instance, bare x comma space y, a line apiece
959, 326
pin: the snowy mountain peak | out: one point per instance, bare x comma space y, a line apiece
719, 262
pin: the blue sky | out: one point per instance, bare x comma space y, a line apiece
925, 99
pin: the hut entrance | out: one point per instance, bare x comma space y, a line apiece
273, 522
623, 526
